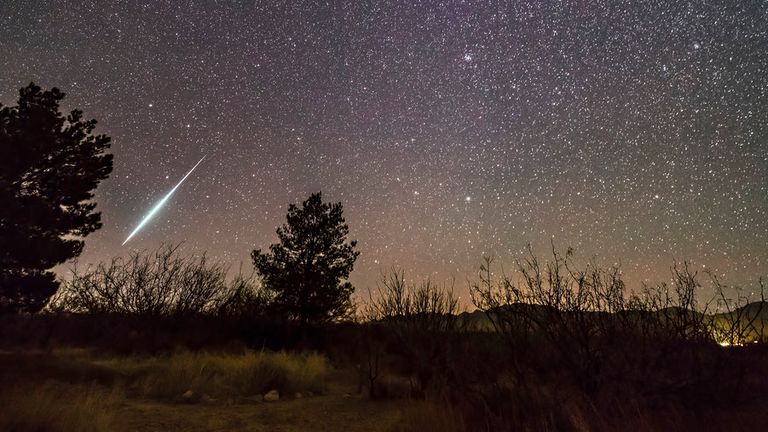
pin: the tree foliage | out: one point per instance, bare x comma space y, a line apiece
50, 164
307, 271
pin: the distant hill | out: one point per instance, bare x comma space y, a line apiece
750, 320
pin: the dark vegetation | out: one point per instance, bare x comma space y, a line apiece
306, 272
50, 163
553, 345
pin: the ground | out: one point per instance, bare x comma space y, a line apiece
331, 412
64, 391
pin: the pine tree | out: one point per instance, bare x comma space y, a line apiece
49, 166
307, 271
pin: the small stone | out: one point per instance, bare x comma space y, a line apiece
272, 396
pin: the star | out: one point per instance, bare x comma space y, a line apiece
472, 126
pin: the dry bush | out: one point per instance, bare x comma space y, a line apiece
423, 318
160, 283
741, 319
570, 308
603, 336
243, 298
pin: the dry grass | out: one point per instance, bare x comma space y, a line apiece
75, 390
221, 375
56, 407
426, 416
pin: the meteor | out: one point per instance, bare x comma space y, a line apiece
160, 203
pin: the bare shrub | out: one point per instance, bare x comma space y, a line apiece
243, 298
676, 309
422, 318
659, 340
738, 320
570, 308
160, 283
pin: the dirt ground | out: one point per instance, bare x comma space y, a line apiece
35, 383
331, 412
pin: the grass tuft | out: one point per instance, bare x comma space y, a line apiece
56, 407
222, 375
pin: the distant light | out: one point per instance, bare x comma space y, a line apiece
468, 199
696, 45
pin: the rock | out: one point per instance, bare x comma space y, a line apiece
188, 396
298, 395
272, 396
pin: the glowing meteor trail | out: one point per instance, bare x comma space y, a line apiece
157, 206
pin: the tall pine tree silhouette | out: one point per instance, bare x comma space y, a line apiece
307, 271
49, 166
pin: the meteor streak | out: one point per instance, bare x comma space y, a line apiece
160, 203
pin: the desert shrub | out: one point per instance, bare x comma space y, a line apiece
423, 318
159, 283
582, 324
739, 319
243, 299
55, 407
569, 309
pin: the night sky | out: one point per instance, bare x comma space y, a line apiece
448, 129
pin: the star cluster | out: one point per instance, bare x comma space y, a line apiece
635, 133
